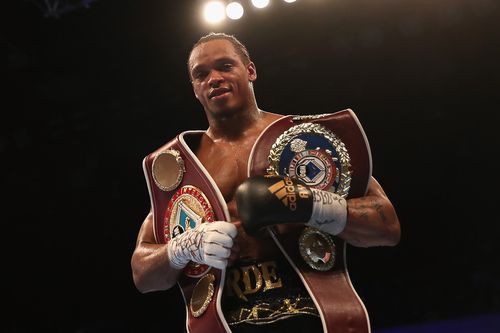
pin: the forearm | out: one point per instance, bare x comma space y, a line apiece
158, 266
367, 221
151, 269
371, 220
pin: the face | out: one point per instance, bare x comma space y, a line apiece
220, 79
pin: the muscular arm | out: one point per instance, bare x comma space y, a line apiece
367, 221
150, 264
158, 266
372, 219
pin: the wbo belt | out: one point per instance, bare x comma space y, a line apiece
328, 152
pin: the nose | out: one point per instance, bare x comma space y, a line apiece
215, 78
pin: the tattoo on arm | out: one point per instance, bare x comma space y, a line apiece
379, 208
362, 211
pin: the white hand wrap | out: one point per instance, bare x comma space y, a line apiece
329, 212
208, 243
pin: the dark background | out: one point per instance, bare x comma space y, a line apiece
87, 95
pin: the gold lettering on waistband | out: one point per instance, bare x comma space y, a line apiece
266, 313
232, 284
247, 280
271, 280
249, 289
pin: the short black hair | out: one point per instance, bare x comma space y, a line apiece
238, 46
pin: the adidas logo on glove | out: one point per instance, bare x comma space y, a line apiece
285, 191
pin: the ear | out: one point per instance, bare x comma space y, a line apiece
252, 72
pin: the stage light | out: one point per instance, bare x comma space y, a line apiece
260, 3
289, 1
234, 10
214, 11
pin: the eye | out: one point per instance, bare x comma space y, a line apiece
200, 75
227, 67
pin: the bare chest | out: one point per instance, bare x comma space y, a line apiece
227, 164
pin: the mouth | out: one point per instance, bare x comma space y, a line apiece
218, 93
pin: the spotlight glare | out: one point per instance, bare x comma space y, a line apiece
214, 11
234, 10
289, 1
260, 3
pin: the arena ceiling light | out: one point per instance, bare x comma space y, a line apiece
234, 10
260, 3
214, 11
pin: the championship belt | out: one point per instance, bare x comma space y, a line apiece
328, 152
183, 195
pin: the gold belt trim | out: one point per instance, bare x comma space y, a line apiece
265, 313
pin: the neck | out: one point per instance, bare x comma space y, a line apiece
232, 126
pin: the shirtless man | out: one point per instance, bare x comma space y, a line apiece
222, 77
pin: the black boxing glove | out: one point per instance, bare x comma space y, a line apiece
268, 200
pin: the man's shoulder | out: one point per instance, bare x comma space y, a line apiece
270, 118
